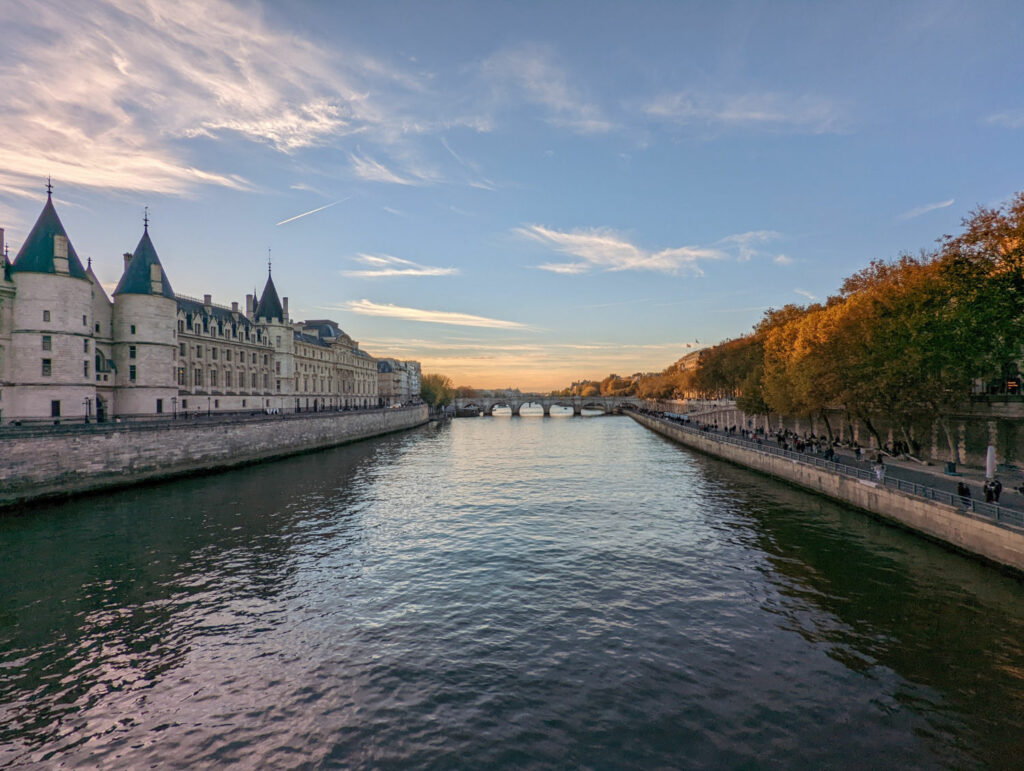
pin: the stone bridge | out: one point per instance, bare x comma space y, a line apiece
484, 405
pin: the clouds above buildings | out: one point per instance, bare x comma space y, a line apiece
453, 318
917, 211
752, 110
603, 248
386, 266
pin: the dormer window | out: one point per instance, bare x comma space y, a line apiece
46, 315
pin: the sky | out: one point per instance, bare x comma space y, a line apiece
514, 194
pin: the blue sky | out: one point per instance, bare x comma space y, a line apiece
515, 193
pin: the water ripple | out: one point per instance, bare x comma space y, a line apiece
497, 593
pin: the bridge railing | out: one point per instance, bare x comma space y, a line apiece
1002, 516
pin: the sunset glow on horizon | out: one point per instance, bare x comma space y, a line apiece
512, 196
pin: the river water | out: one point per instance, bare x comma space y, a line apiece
499, 593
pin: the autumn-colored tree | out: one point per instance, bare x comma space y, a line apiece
437, 390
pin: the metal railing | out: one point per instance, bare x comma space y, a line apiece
171, 421
1012, 519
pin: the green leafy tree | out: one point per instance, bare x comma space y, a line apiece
437, 390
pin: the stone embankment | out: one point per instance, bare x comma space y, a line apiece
938, 520
36, 465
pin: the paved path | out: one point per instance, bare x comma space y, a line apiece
912, 471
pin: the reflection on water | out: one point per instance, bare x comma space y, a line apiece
497, 593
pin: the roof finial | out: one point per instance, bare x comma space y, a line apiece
268, 262
89, 266
49, 186
145, 218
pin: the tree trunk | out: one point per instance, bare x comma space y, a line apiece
828, 426
849, 427
873, 431
954, 450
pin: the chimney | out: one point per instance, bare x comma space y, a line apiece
234, 307
248, 306
284, 303
207, 300
127, 259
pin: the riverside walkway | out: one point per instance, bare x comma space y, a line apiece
906, 476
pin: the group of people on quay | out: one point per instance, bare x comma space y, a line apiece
829, 449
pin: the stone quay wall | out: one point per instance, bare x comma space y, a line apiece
934, 520
42, 466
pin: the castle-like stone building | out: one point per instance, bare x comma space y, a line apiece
67, 350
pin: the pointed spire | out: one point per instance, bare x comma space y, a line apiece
37, 252
143, 274
270, 304
145, 219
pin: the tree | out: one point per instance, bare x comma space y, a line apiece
437, 390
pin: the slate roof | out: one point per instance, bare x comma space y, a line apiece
383, 365
270, 303
311, 340
225, 316
36, 254
326, 327
136, 277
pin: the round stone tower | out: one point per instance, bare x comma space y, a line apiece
51, 346
145, 334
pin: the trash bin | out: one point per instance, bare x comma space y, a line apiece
950, 467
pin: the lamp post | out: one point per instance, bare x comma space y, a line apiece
87, 401
174, 407
208, 413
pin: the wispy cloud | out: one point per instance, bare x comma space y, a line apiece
533, 72
133, 82
765, 110
368, 308
566, 268
479, 181
374, 171
604, 248
783, 260
311, 211
1013, 119
746, 243
805, 293
386, 266
917, 211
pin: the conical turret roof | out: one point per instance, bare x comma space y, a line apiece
270, 304
138, 273
36, 254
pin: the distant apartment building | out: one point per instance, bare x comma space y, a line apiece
398, 381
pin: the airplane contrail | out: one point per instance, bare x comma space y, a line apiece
314, 211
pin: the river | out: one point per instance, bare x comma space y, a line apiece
500, 593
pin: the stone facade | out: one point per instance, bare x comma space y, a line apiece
67, 351
399, 381
49, 462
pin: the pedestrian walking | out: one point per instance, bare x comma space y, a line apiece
964, 492
997, 488
988, 491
